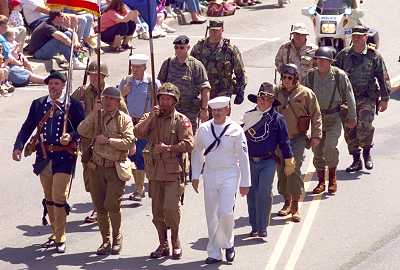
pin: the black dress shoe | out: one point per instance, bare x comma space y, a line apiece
230, 254
262, 233
104, 249
61, 247
253, 233
48, 244
210, 260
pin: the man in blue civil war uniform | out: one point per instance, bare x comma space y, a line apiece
55, 151
265, 131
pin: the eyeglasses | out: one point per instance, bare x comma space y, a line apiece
290, 78
181, 47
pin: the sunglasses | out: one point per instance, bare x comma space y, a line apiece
181, 47
286, 77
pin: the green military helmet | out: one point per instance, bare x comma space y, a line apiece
169, 89
111, 92
93, 68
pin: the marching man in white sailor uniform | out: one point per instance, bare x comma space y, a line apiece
220, 155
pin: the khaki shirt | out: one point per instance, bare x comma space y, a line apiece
302, 58
190, 77
117, 126
304, 103
174, 129
325, 89
88, 97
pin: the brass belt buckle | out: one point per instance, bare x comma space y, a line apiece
252, 132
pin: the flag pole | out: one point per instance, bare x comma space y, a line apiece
153, 73
99, 120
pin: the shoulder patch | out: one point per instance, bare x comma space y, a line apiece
186, 122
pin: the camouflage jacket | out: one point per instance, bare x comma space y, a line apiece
367, 72
302, 58
224, 65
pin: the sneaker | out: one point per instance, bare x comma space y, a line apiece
144, 35
78, 65
167, 28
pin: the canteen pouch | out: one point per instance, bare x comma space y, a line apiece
87, 155
303, 124
29, 149
124, 169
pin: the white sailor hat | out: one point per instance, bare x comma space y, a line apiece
219, 102
138, 59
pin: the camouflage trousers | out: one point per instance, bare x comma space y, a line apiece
293, 184
362, 135
326, 152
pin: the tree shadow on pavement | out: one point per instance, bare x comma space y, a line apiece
395, 95
80, 208
72, 227
242, 222
342, 175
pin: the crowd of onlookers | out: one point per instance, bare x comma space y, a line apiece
53, 32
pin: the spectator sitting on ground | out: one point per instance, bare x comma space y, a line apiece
16, 21
118, 25
161, 26
193, 6
17, 75
5, 86
85, 26
36, 12
16, 56
51, 38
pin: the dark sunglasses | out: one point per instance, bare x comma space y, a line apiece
290, 78
181, 47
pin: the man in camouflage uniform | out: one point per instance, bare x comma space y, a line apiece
333, 90
297, 103
190, 76
223, 62
169, 134
371, 85
89, 96
113, 137
296, 51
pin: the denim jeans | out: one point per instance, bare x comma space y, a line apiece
85, 22
122, 29
191, 5
259, 199
53, 47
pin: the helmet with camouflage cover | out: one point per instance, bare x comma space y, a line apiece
169, 89
93, 67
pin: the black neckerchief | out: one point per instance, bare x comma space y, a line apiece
217, 140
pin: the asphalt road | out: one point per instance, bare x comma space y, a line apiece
358, 228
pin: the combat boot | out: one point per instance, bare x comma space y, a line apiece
163, 249
294, 209
286, 206
369, 165
104, 249
356, 165
332, 186
116, 245
321, 182
176, 244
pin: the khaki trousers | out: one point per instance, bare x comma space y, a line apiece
138, 177
165, 207
106, 190
55, 188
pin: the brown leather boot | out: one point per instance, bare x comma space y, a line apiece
286, 206
176, 244
321, 182
163, 249
332, 186
294, 209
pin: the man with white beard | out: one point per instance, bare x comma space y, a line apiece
220, 155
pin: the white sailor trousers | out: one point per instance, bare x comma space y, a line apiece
220, 187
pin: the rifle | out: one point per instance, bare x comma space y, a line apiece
67, 101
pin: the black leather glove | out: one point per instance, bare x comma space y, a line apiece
239, 98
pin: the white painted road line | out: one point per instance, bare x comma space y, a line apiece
287, 229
